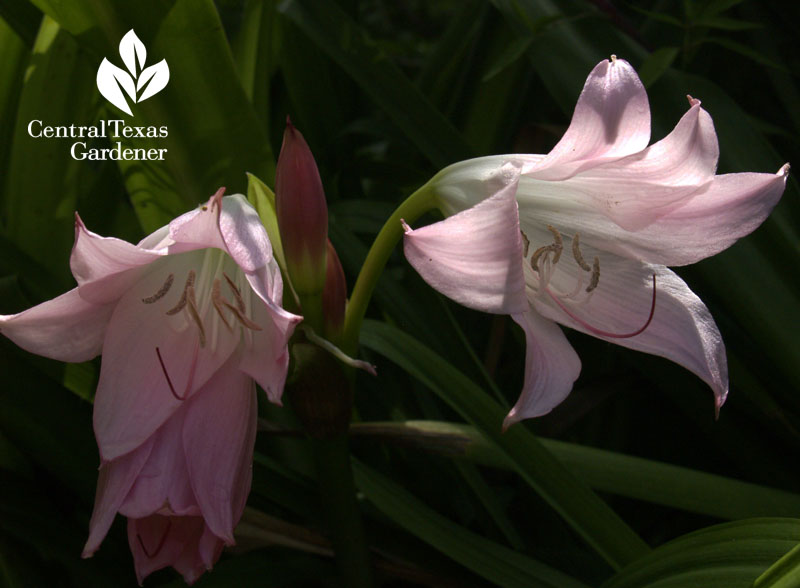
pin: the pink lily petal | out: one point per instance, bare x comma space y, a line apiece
136, 394
466, 183
66, 328
265, 357
230, 224
163, 482
611, 120
474, 256
267, 283
158, 240
104, 267
218, 438
638, 189
159, 541
113, 484
682, 329
210, 547
733, 206
551, 368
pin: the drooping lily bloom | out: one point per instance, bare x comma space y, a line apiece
186, 321
582, 236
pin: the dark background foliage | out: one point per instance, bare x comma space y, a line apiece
388, 93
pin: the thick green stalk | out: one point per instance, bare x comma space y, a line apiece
411, 209
338, 494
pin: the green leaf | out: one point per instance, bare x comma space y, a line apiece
607, 471
494, 562
656, 64
39, 197
263, 200
742, 49
12, 67
724, 23
253, 52
513, 51
659, 16
589, 516
731, 555
23, 18
214, 136
715, 7
784, 573
347, 44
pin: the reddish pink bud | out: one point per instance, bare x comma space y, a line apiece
334, 296
302, 213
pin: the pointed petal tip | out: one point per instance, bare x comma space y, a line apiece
784, 170
613, 58
216, 199
692, 101
406, 228
719, 400
87, 553
512, 418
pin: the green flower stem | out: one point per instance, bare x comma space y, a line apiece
410, 210
338, 494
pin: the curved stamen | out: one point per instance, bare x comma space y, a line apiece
196, 315
161, 291
245, 322
600, 332
526, 244
558, 243
166, 375
237, 294
160, 543
576, 253
595, 279
537, 254
219, 301
182, 302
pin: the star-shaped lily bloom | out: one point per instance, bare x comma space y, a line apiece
582, 236
186, 321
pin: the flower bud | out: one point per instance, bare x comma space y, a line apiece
302, 213
334, 296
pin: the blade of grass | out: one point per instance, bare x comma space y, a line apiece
731, 555
494, 562
607, 471
589, 516
347, 44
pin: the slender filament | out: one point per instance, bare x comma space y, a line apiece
600, 332
160, 542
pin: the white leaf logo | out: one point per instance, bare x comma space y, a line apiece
139, 83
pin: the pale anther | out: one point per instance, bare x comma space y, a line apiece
558, 243
236, 293
195, 315
576, 253
595, 275
537, 254
161, 292
218, 301
245, 322
182, 302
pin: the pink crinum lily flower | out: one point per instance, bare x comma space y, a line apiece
582, 236
186, 321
